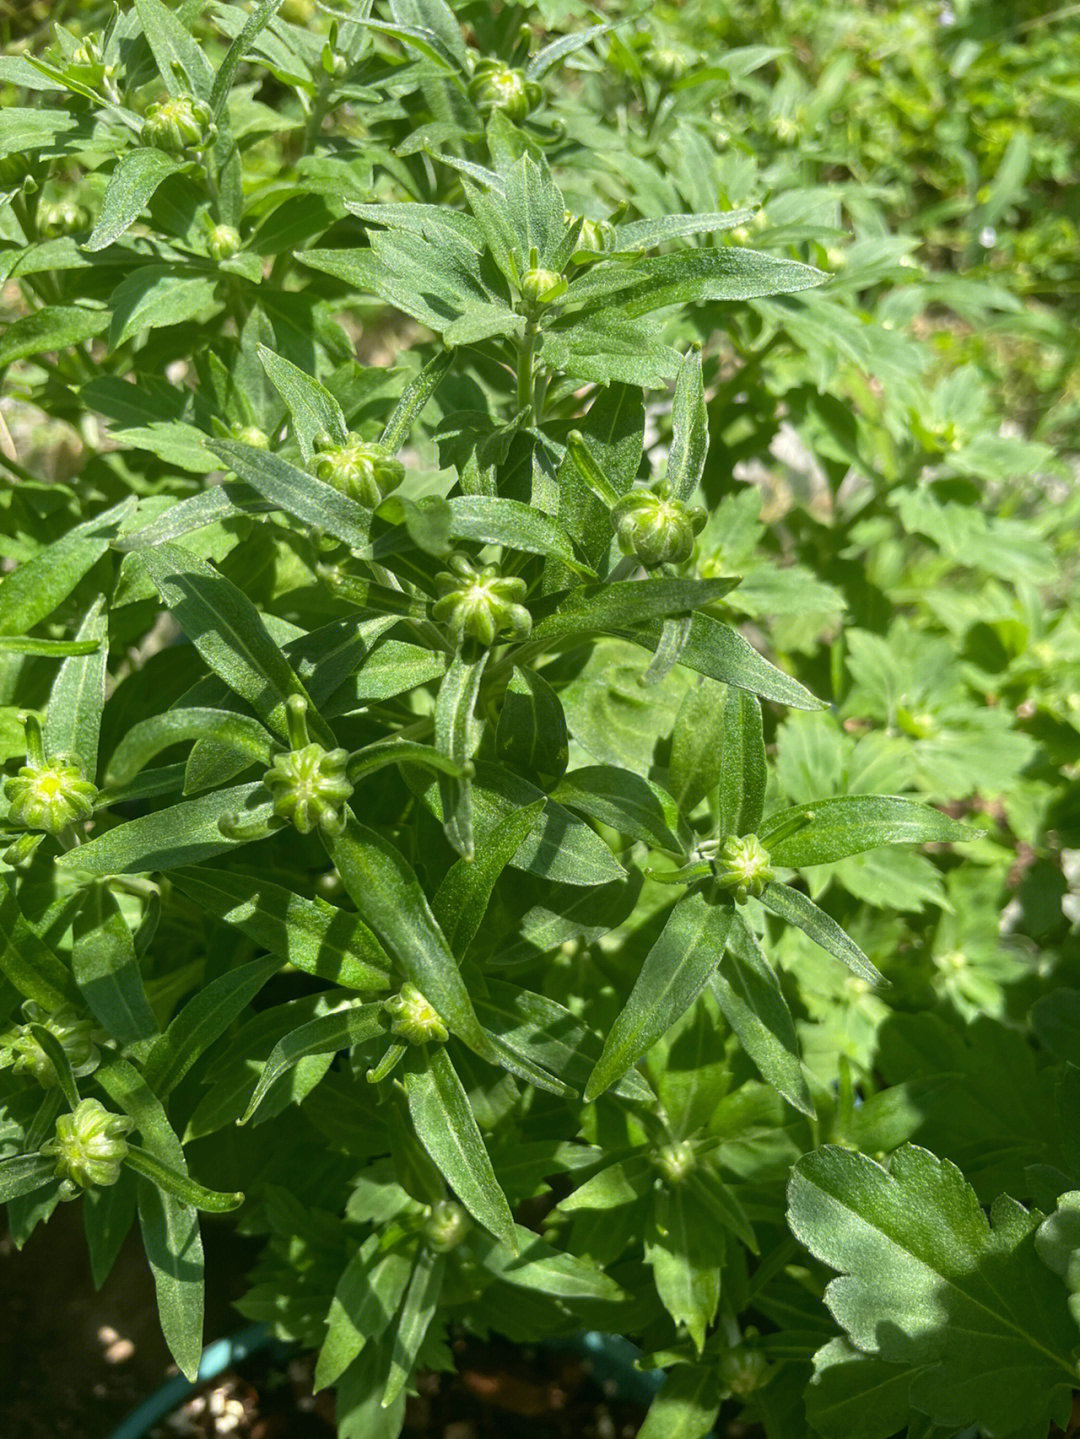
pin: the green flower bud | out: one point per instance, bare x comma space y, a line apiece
446, 1226
66, 217
675, 1161
89, 1146
310, 788
666, 64
742, 866
223, 242
496, 86
20, 1050
362, 469
251, 435
50, 795
655, 529
178, 124
477, 603
595, 237
541, 287
297, 12
413, 1019
743, 1370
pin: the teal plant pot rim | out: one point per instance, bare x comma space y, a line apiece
612, 1357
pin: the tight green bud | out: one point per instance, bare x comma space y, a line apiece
251, 435
675, 1161
478, 603
743, 866
496, 86
656, 529
20, 1050
66, 217
446, 1226
310, 788
541, 287
223, 242
666, 64
362, 469
413, 1019
89, 1146
49, 795
178, 124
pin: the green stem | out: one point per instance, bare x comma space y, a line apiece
525, 379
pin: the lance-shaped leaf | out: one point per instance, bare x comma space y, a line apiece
26, 961
550, 1035
388, 897
447, 1128
208, 507
697, 740
297, 493
256, 22
354, 1023
413, 400
48, 649
623, 800
538, 1266
333, 944
751, 1000
58, 1058
53, 327
531, 735
41, 583
180, 1186
229, 633
457, 732
717, 651
687, 1405
205, 1017
689, 429
742, 764
462, 898
681, 1246
24, 1174
364, 1305
724, 273
676, 970
137, 175
147, 738
73, 717
184, 833
793, 906
836, 828
106, 968
617, 608
316, 415
417, 1311
644, 234
929, 1281
178, 57
492, 520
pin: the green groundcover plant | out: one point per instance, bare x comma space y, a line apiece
540, 722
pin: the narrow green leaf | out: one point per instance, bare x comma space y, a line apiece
57, 1056
48, 649
387, 895
106, 968
228, 631
365, 1302
31, 593
173, 1246
676, 970
621, 799
23, 1174
256, 22
179, 1186
462, 899
176, 54
354, 1023
416, 395
417, 1311
316, 415
447, 1128
532, 736
688, 276
644, 234
687, 1405
136, 177
752, 1001
205, 1017
537, 1266
53, 327
457, 733
313, 936
853, 823
684, 1268
26, 961
147, 738
617, 608
73, 717
794, 907
297, 493
108, 1214
697, 739
742, 764
689, 427
184, 833
492, 520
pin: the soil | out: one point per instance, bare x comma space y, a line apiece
74, 1362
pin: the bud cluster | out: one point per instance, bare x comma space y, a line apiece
656, 529
742, 865
20, 1050
496, 86
478, 603
89, 1146
362, 469
310, 788
181, 123
413, 1019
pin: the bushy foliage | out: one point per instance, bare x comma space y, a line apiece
539, 698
